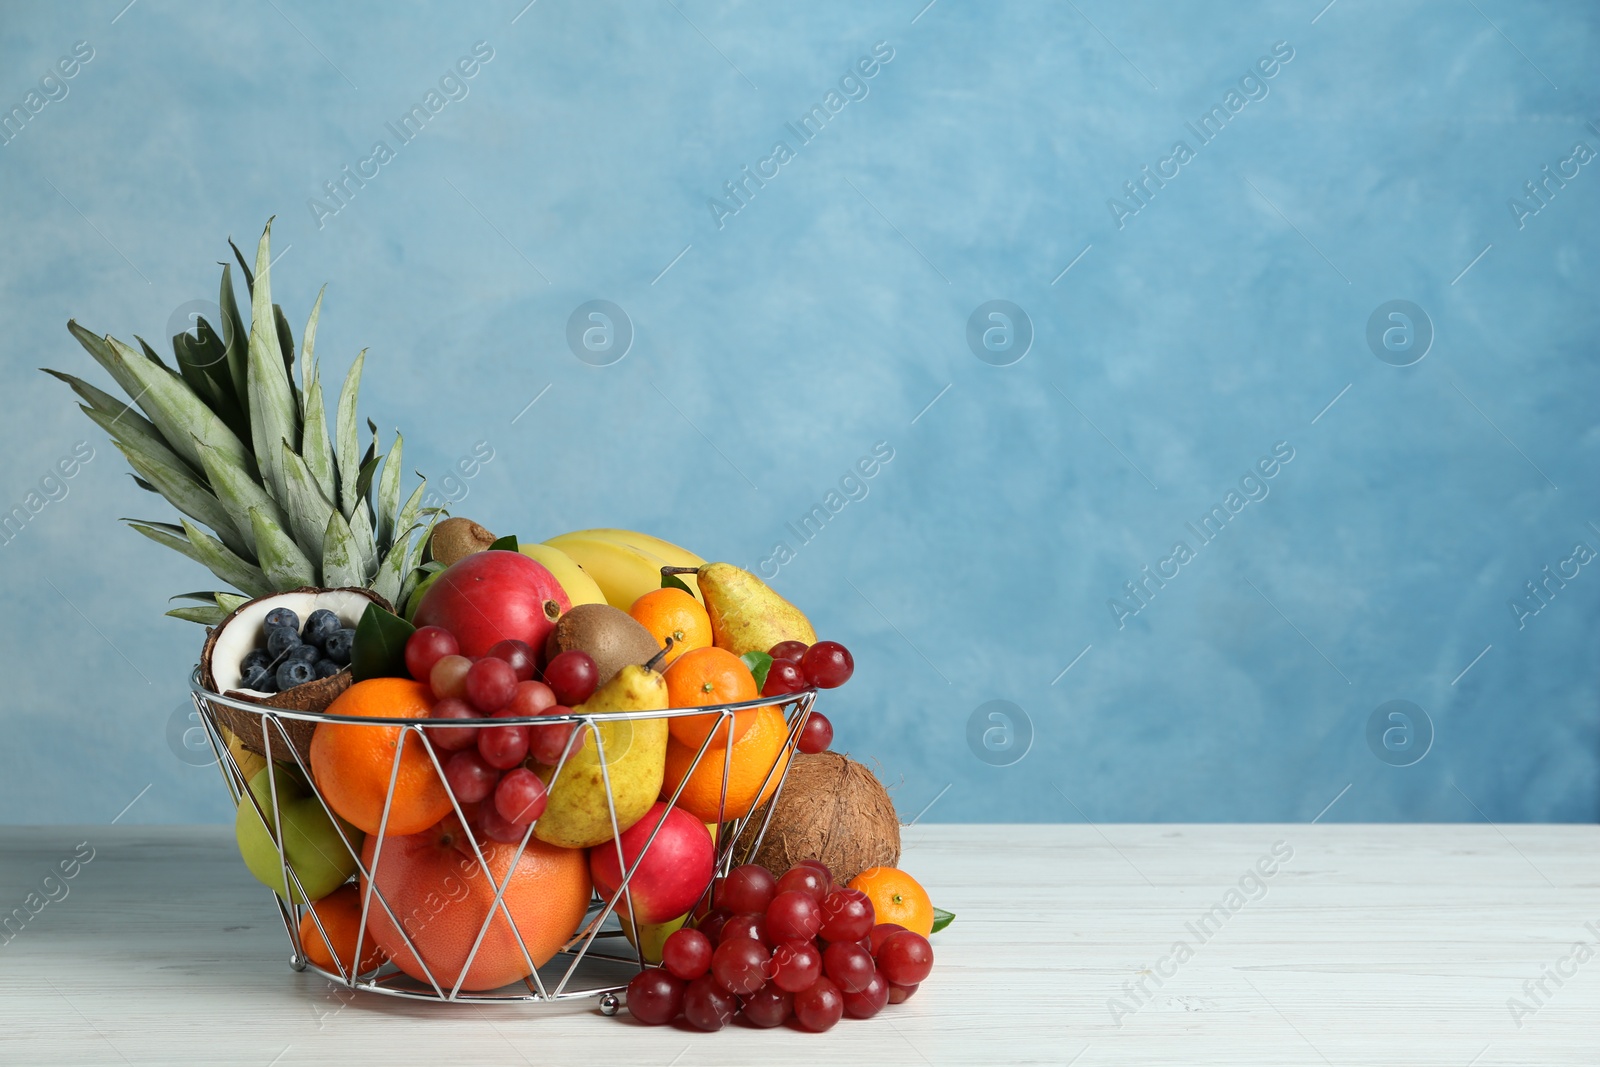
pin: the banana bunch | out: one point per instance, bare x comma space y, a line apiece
625, 564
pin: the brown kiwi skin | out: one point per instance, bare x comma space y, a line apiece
610, 635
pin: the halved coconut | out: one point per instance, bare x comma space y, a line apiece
241, 632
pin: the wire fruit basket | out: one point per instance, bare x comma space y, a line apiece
598, 959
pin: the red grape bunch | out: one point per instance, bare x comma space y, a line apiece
797, 666
797, 949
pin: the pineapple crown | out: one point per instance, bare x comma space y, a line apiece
236, 445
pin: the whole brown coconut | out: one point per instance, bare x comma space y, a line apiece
456, 539
831, 809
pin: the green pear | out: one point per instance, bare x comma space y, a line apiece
311, 843
655, 934
747, 615
577, 814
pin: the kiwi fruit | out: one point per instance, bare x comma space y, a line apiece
456, 539
610, 635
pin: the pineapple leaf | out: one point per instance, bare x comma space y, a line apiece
162, 533
281, 559
273, 413
369, 467
309, 341
101, 400
226, 564
207, 597
249, 279
366, 547
389, 495
341, 560
103, 355
139, 436
182, 417
142, 484
286, 343
235, 341
231, 602
174, 481
391, 580
308, 508
315, 449
153, 356
198, 359
347, 445
241, 496
205, 616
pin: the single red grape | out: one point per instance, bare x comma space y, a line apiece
427, 647
806, 879
740, 964
655, 997
573, 676
899, 994
547, 743
783, 677
490, 685
879, 933
530, 699
821, 868
517, 653
827, 665
767, 1007
819, 1006
749, 924
469, 777
452, 738
788, 650
521, 796
866, 1002
793, 915
816, 735
503, 746
905, 958
712, 925
686, 953
498, 827
849, 965
795, 965
706, 1005
846, 915
449, 677
747, 888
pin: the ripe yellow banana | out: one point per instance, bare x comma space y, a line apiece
670, 553
623, 572
580, 588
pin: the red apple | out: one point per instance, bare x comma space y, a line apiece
494, 596
675, 871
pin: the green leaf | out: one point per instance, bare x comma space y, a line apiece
389, 494
314, 446
672, 581
178, 485
308, 508
208, 597
134, 432
205, 616
508, 543
379, 649
341, 559
103, 355
234, 338
759, 663
101, 401
281, 559
180, 415
231, 602
226, 564
274, 415
366, 545
240, 495
244, 265
941, 919
163, 534
346, 438
369, 468
309, 342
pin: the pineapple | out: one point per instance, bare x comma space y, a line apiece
270, 503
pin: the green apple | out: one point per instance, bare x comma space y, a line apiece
417, 594
311, 843
655, 934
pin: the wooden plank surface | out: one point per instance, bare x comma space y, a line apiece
1363, 945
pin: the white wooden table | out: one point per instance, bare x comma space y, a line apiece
1367, 944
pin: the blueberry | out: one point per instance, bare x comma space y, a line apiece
322, 625
259, 679
282, 617
338, 646
309, 653
295, 672
281, 639
256, 658
326, 668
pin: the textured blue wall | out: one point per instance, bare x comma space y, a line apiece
1198, 328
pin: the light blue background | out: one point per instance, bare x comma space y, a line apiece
826, 316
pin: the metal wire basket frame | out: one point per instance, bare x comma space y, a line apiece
586, 970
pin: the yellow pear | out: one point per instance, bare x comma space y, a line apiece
577, 814
747, 615
655, 934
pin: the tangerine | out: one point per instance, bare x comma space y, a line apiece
340, 914
442, 896
760, 756
352, 763
706, 676
675, 614
896, 898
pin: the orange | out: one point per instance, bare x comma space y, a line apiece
706, 676
675, 614
340, 914
441, 895
352, 762
896, 898
760, 750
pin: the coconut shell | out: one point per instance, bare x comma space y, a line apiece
313, 696
831, 809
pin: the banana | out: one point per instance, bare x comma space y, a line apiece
580, 588
669, 552
623, 573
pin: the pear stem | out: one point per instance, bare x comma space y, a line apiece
680, 570
655, 659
